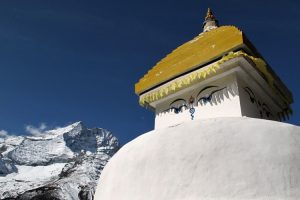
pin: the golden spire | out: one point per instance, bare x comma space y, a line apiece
210, 21
209, 15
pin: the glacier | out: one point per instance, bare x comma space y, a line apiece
213, 159
64, 163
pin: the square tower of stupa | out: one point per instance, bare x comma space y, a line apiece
219, 73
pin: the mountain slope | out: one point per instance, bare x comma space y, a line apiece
61, 164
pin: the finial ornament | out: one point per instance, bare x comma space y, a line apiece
210, 21
209, 15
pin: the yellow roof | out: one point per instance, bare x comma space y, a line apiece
203, 49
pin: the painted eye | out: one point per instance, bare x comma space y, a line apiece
251, 95
205, 99
178, 105
266, 109
209, 97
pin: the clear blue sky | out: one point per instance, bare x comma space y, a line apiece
65, 61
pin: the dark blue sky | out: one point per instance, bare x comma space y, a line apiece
65, 61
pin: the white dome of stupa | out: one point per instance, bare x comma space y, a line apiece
216, 159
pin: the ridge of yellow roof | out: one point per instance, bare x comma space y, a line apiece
202, 49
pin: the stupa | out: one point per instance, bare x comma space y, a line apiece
219, 73
209, 141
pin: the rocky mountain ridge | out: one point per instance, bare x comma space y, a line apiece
64, 163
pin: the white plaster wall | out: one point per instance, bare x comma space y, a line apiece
226, 106
168, 119
256, 108
225, 103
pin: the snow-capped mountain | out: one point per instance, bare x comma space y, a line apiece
61, 164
